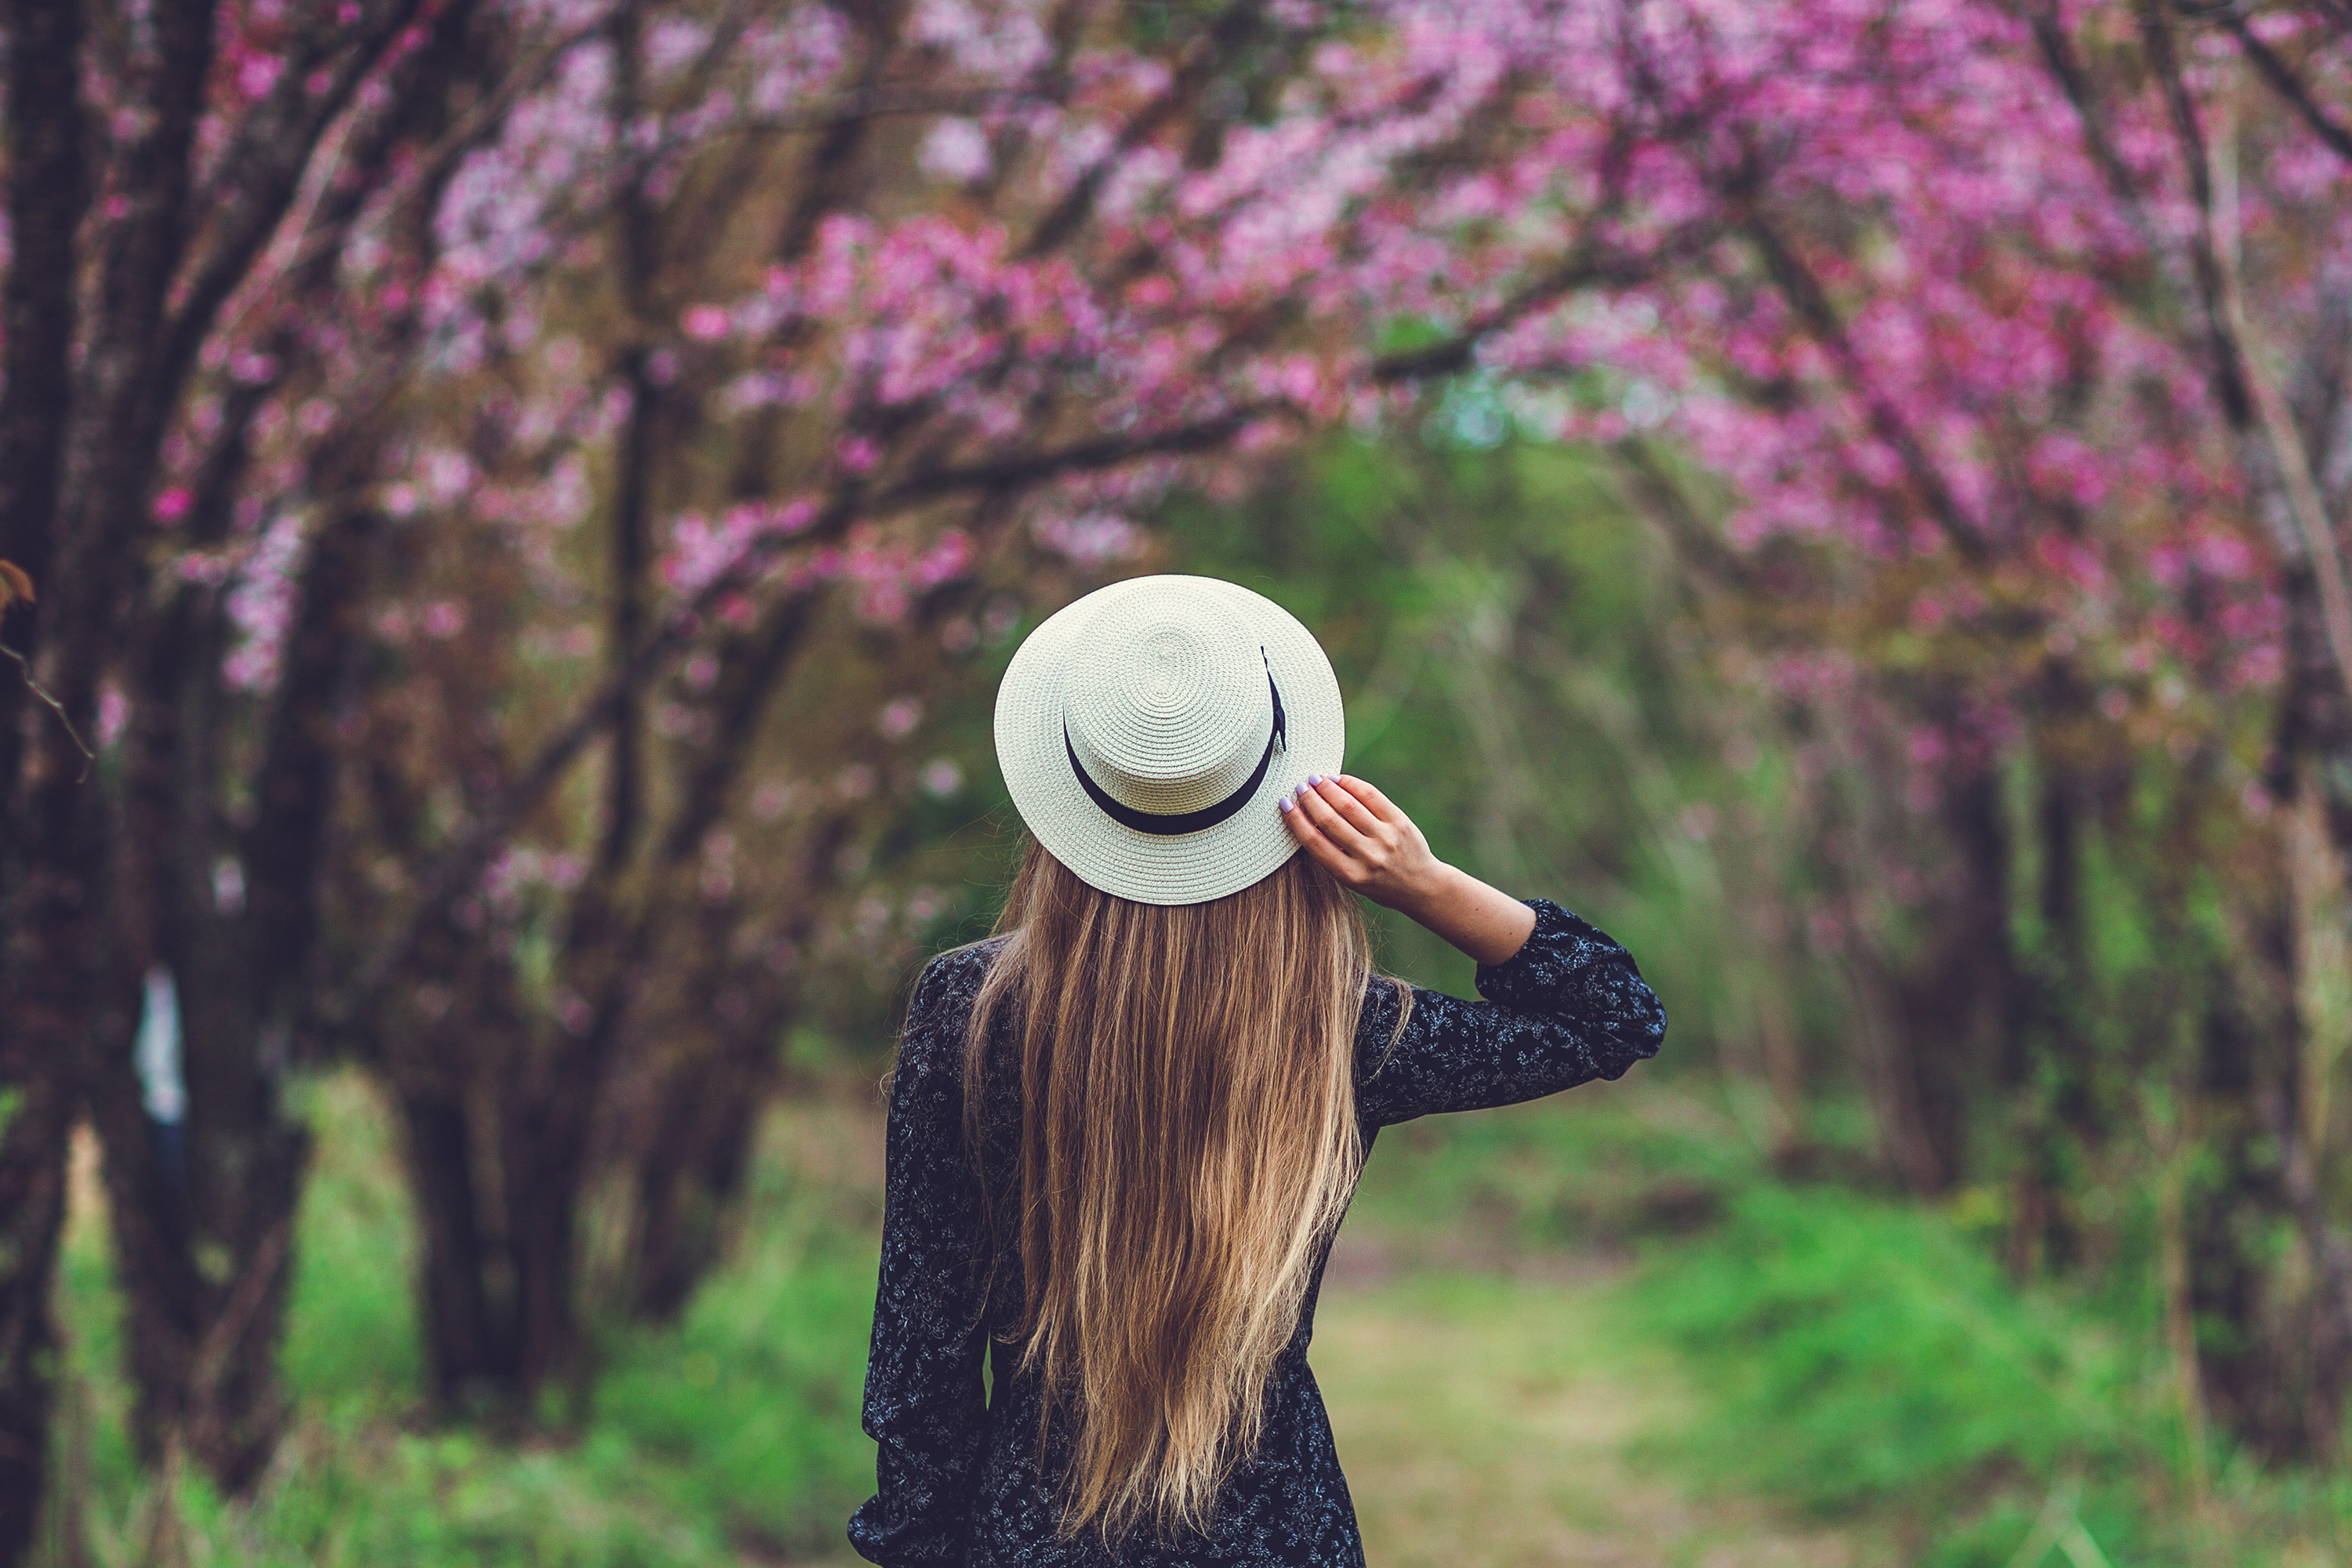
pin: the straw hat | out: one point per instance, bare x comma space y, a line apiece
1148, 730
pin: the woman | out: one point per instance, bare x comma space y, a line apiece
1123, 1130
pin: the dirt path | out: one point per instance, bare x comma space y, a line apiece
1483, 1425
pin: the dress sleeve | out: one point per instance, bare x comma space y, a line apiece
924, 1400
1567, 1007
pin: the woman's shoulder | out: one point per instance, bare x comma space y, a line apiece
946, 988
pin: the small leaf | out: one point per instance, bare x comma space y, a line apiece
15, 583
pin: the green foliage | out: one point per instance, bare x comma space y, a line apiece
352, 1340
1592, 1170
735, 1430
1524, 675
747, 1413
1854, 1358
369, 1497
1864, 1352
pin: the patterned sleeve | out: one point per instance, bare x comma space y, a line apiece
1567, 1007
924, 1400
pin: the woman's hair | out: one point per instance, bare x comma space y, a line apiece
1187, 1138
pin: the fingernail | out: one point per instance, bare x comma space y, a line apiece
1285, 803
1315, 778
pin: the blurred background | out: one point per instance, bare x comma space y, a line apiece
512, 514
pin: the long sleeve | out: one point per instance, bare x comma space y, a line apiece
924, 1399
1567, 1007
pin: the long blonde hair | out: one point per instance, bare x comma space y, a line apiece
1188, 1140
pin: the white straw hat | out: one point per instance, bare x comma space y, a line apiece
1147, 731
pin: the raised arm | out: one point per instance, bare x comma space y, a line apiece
1564, 1003
924, 1401
1567, 1007
1363, 838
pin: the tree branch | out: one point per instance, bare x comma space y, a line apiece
2289, 86
1232, 29
47, 191
262, 172
2249, 399
1804, 290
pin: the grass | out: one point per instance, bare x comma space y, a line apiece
1860, 1360
732, 1436
1482, 1419
1591, 1330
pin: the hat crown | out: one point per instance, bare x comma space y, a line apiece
1167, 703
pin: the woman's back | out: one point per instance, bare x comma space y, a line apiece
963, 1477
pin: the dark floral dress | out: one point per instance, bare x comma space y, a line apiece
958, 1474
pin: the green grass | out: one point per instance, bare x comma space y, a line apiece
1497, 1419
734, 1432
352, 1340
1863, 1355
1860, 1362
1593, 1170
747, 1413
1595, 1328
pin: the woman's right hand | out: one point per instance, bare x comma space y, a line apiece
1361, 837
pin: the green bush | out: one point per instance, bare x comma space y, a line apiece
1594, 1168
747, 1412
351, 1336
1859, 1353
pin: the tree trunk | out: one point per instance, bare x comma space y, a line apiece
2047, 1056
2280, 1375
690, 1138
469, 1346
46, 192
35, 1112
1956, 1004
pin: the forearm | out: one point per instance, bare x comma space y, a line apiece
1482, 921
1358, 835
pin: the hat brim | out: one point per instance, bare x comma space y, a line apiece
1154, 868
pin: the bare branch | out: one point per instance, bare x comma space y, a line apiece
2288, 454
24, 668
1804, 290
1082, 456
2289, 86
1185, 84
263, 171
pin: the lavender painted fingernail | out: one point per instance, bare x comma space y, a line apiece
1315, 778
1285, 803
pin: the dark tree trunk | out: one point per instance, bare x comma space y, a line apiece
46, 192
2257, 1378
38, 1110
1957, 1004
64, 989
2047, 1067
437, 1047
692, 1138
206, 1240
689, 1178
2280, 1375
469, 1342
1929, 1027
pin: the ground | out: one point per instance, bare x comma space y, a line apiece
1482, 1420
